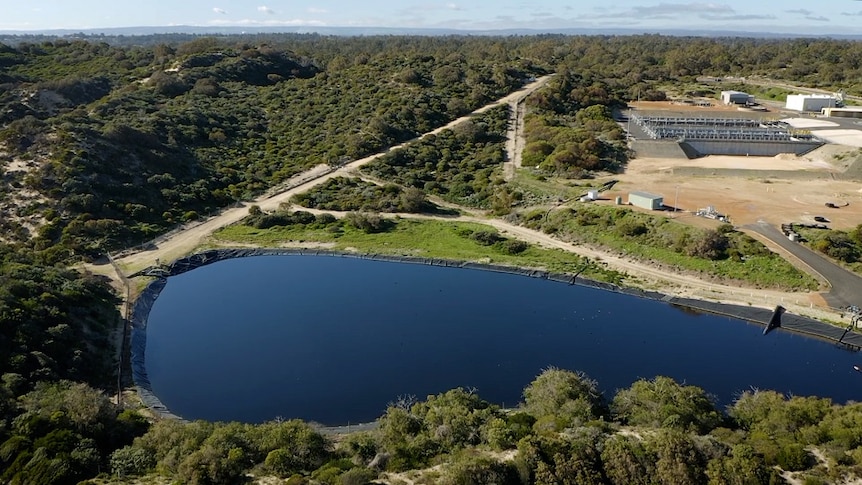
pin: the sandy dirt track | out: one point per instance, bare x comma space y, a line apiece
185, 241
746, 199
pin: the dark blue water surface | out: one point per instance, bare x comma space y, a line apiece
333, 340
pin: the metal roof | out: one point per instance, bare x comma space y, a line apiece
646, 195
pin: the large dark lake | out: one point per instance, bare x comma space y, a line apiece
333, 340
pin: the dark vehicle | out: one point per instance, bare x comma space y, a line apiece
820, 219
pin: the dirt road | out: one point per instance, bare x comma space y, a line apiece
746, 199
515, 139
187, 240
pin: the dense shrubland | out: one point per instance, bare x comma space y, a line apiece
140, 139
570, 130
125, 141
462, 165
104, 145
843, 246
56, 349
565, 431
352, 194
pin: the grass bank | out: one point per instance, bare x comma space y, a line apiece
421, 238
724, 253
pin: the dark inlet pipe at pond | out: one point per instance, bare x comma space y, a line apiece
333, 340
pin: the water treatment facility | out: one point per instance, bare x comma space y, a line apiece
711, 135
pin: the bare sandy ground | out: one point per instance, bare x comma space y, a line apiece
751, 198
515, 139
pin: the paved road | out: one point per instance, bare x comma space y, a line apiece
846, 286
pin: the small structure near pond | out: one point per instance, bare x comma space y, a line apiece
645, 200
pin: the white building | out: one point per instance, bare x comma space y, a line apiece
646, 200
736, 97
811, 102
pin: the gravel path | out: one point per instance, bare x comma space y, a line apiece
185, 241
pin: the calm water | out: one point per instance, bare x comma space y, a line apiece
334, 340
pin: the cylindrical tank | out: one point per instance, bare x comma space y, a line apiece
619, 200
793, 236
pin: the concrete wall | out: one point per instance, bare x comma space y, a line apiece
659, 149
853, 112
748, 148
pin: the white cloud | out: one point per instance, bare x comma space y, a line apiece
266, 10
453, 6
219, 10
316, 10
669, 11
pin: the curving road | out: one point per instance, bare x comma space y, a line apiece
846, 287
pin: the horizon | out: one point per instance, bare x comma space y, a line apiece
793, 18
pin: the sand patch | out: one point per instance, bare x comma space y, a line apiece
809, 123
851, 138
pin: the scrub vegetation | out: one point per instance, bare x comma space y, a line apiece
564, 431
570, 130
721, 253
461, 165
842, 246
353, 194
106, 142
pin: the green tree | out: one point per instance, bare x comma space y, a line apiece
710, 245
568, 396
413, 200
662, 402
742, 467
679, 462
469, 469
627, 462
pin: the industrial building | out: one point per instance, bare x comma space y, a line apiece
697, 137
811, 102
736, 97
645, 200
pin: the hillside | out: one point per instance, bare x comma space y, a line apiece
103, 147
110, 146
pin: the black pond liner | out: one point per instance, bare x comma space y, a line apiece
144, 303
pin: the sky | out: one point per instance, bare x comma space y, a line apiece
780, 16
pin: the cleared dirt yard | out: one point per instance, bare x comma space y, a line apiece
781, 189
